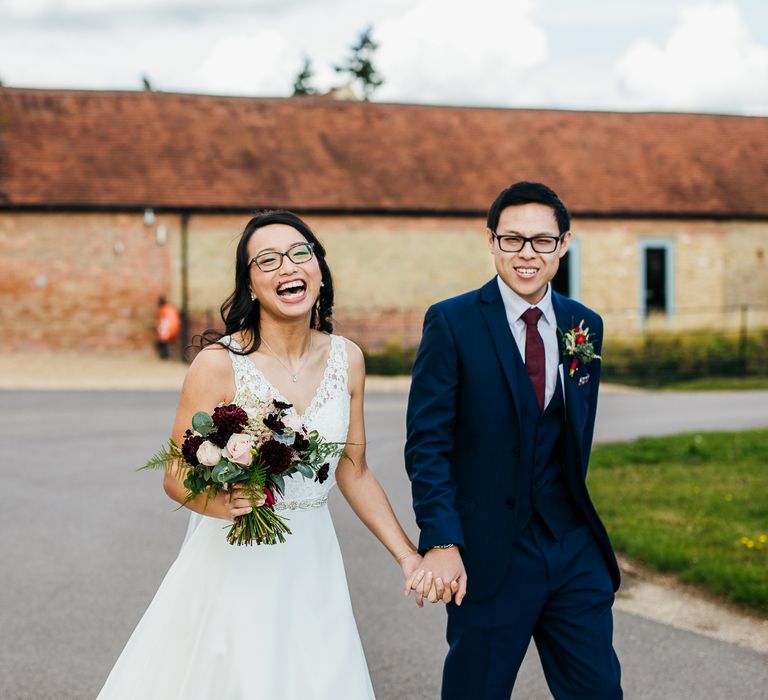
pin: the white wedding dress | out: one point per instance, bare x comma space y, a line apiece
261, 622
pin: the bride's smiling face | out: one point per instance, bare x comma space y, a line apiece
290, 290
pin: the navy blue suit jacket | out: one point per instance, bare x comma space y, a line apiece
462, 450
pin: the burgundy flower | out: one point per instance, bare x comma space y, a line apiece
273, 422
282, 406
276, 456
189, 447
270, 497
322, 473
300, 443
228, 420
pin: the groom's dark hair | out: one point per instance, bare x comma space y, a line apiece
526, 193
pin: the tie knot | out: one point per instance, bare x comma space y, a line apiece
531, 316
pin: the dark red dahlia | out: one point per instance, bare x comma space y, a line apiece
300, 443
322, 473
273, 422
276, 456
227, 420
189, 447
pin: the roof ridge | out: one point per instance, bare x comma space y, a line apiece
324, 100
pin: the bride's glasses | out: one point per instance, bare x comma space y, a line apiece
272, 260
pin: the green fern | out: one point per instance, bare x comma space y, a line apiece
164, 459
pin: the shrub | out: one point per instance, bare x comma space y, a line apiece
657, 359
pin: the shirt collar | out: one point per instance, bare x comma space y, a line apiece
515, 305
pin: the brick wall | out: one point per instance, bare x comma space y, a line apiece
79, 281
91, 280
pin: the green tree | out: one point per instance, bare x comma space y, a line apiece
302, 85
359, 64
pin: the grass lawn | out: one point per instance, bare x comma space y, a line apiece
695, 504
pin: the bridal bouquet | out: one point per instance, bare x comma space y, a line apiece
257, 448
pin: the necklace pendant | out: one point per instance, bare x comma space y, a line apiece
294, 377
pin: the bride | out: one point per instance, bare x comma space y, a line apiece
271, 621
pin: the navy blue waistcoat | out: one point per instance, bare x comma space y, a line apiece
542, 436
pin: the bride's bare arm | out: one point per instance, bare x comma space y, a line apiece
359, 485
209, 382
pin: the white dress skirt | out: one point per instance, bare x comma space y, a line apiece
262, 622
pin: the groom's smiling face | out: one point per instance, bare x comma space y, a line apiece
527, 272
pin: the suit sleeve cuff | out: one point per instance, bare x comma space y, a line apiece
445, 534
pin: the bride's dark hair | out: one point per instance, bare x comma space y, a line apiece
240, 313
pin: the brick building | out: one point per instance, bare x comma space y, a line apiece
109, 199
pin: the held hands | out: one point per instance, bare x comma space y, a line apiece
439, 577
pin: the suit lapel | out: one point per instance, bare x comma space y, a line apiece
575, 414
492, 309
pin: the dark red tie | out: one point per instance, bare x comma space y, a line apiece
534, 353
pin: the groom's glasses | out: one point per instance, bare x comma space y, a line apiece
272, 260
540, 244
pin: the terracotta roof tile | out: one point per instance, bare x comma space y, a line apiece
128, 149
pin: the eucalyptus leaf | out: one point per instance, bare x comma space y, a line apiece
202, 423
305, 470
279, 482
285, 439
225, 471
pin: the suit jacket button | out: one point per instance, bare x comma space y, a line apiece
515, 452
510, 503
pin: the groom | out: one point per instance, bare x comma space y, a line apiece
500, 420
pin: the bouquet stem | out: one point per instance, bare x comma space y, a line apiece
260, 526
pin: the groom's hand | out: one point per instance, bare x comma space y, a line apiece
441, 577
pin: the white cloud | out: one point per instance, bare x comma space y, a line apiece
710, 61
27, 8
262, 63
438, 51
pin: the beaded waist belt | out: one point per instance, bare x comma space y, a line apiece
302, 504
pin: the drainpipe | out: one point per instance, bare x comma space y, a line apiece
184, 283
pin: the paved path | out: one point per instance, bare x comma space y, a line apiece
85, 541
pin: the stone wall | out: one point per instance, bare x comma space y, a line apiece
91, 280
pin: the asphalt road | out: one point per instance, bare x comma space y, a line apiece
85, 542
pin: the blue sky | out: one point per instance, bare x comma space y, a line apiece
686, 55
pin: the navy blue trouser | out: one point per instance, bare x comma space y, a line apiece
558, 592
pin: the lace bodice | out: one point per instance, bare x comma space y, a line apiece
328, 413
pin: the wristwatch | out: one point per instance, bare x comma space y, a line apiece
443, 546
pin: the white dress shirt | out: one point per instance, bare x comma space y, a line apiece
515, 306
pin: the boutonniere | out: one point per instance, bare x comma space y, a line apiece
578, 347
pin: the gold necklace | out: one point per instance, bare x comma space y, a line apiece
288, 369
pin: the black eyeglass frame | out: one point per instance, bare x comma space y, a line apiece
309, 245
531, 240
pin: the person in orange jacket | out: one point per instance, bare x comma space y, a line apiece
167, 326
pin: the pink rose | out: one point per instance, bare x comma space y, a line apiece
208, 454
293, 422
238, 449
